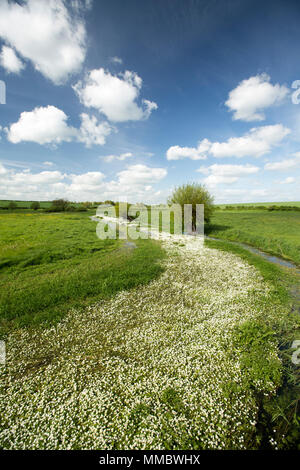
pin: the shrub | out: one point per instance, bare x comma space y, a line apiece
193, 193
12, 205
58, 205
81, 208
35, 205
71, 208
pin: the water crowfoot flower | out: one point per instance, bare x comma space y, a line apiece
156, 367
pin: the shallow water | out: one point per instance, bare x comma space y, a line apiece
272, 258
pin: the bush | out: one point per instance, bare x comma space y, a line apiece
81, 208
58, 205
35, 206
193, 193
12, 205
71, 209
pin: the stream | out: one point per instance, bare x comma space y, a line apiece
272, 258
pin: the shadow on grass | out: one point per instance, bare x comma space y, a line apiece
209, 228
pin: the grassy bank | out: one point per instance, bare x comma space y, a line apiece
52, 262
274, 232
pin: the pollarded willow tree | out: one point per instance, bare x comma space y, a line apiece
193, 193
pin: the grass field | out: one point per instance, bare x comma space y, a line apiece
275, 232
52, 262
267, 204
170, 345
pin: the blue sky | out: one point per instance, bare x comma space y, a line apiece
125, 100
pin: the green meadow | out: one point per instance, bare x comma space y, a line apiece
52, 262
167, 345
276, 232
266, 204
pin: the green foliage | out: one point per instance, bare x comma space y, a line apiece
59, 205
193, 193
52, 262
12, 205
255, 339
35, 205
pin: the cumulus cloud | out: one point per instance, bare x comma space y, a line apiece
141, 174
44, 177
48, 125
91, 132
227, 174
253, 95
10, 61
43, 125
134, 184
87, 182
121, 157
194, 153
257, 142
47, 33
114, 95
283, 165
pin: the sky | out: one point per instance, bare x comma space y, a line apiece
125, 100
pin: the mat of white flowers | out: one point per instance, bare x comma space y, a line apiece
156, 367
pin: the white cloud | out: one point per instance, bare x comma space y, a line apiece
2, 169
91, 178
116, 60
10, 61
91, 132
253, 95
227, 174
43, 125
283, 165
288, 180
114, 96
48, 125
48, 34
136, 183
194, 153
44, 177
48, 163
86, 183
257, 142
141, 175
81, 5
121, 157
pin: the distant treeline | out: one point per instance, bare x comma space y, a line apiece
61, 205
58, 205
258, 208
